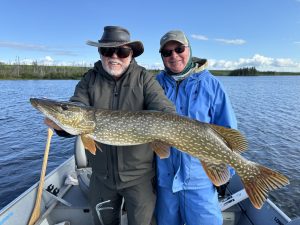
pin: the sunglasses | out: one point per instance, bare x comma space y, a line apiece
120, 51
168, 53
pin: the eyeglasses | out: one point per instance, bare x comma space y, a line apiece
168, 53
120, 51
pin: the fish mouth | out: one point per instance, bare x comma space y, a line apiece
40, 103
34, 102
45, 106
37, 102
48, 108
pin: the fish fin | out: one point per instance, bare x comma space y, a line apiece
98, 145
258, 185
161, 149
217, 173
89, 144
233, 138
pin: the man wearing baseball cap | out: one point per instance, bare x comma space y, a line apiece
185, 194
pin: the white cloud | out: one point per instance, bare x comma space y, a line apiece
154, 66
223, 40
34, 47
17, 45
231, 41
286, 62
199, 37
48, 61
258, 61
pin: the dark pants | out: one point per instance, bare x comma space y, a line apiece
139, 200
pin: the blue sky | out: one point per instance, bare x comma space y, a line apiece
230, 34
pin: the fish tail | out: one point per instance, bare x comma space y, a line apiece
261, 182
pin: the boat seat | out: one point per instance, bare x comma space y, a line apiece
83, 170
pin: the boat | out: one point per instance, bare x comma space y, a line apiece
64, 200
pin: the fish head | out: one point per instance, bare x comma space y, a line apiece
71, 117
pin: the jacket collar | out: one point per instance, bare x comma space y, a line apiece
200, 65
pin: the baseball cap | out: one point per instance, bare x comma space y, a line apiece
173, 35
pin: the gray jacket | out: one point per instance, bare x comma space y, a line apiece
137, 89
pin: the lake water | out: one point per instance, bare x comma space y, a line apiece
267, 109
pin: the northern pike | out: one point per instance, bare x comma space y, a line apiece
215, 146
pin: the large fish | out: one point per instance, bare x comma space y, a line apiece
215, 146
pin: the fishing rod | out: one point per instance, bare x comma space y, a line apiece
37, 207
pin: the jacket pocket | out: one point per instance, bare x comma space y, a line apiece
132, 98
135, 162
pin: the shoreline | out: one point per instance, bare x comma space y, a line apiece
41, 72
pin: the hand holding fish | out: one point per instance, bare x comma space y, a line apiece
51, 124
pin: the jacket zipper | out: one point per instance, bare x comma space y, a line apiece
114, 149
176, 158
177, 87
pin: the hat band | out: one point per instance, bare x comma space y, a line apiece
112, 41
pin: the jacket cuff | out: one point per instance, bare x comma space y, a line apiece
63, 133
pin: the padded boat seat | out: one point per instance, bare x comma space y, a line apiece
83, 170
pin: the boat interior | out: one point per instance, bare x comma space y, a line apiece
64, 200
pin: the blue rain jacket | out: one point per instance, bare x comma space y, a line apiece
202, 97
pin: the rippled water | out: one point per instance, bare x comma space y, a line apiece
267, 108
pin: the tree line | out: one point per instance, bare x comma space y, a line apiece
35, 71
250, 71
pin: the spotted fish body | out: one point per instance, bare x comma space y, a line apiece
215, 146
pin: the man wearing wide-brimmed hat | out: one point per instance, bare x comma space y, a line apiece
117, 40
117, 82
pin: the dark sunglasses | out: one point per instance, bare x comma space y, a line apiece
120, 51
168, 53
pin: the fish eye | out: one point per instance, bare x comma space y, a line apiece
64, 107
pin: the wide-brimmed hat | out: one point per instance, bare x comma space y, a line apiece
173, 35
115, 36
